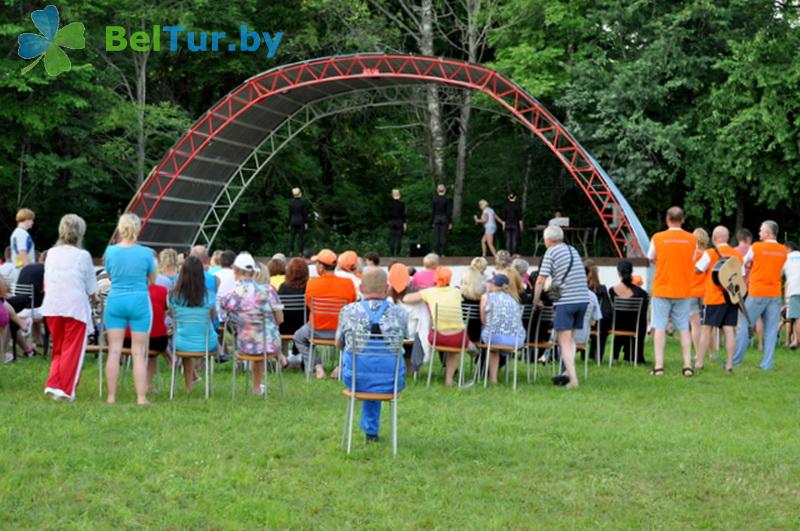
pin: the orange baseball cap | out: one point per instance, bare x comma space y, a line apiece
398, 277
325, 256
348, 260
442, 276
637, 280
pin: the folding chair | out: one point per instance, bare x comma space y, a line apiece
468, 313
629, 305
184, 316
320, 307
294, 304
360, 347
452, 315
263, 356
511, 350
26, 290
544, 323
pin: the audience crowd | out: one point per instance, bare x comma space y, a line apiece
144, 302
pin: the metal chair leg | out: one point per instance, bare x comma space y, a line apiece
172, 378
350, 424
233, 389
430, 365
516, 361
394, 427
266, 376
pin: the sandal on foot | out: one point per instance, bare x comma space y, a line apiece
688, 372
658, 371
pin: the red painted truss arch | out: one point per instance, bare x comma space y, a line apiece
182, 200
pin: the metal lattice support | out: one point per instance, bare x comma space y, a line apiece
280, 102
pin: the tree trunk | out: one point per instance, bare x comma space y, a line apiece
432, 94
140, 68
739, 211
461, 160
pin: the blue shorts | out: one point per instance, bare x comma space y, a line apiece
129, 309
678, 309
569, 316
503, 340
793, 310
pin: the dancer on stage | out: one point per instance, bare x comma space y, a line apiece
298, 221
397, 223
511, 222
442, 220
487, 219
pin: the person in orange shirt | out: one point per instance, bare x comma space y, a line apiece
697, 290
765, 260
324, 286
718, 314
672, 252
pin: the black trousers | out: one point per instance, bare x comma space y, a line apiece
512, 238
395, 238
296, 232
440, 238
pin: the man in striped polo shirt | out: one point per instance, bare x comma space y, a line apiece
563, 264
765, 260
672, 252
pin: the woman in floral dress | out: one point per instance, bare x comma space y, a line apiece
257, 311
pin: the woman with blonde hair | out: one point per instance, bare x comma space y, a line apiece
489, 223
472, 286
131, 268
167, 268
697, 290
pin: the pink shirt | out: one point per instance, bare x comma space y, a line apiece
423, 279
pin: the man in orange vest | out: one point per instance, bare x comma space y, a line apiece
765, 260
672, 252
718, 313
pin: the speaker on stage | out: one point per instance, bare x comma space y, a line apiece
418, 249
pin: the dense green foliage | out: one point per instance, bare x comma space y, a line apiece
693, 102
623, 451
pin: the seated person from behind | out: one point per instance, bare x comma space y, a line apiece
374, 314
190, 299
326, 285
501, 316
257, 312
450, 332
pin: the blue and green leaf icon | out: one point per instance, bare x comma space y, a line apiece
49, 44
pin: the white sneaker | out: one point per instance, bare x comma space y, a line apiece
8, 357
262, 390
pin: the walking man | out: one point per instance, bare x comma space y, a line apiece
765, 260
672, 252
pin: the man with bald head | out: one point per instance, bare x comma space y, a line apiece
373, 314
718, 313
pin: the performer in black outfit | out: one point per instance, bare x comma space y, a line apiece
512, 222
397, 223
298, 221
442, 220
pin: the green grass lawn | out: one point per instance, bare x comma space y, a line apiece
624, 450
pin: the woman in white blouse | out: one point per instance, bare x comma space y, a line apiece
70, 280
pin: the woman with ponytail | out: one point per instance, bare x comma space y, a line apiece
626, 289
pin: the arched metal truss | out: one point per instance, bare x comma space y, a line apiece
187, 197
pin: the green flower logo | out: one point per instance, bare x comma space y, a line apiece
50, 42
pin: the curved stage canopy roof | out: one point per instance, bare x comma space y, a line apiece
187, 197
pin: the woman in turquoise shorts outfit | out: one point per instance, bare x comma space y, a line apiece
131, 268
489, 222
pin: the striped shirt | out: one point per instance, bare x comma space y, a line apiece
555, 264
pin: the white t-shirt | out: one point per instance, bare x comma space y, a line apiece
70, 279
791, 270
9, 273
227, 281
21, 241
